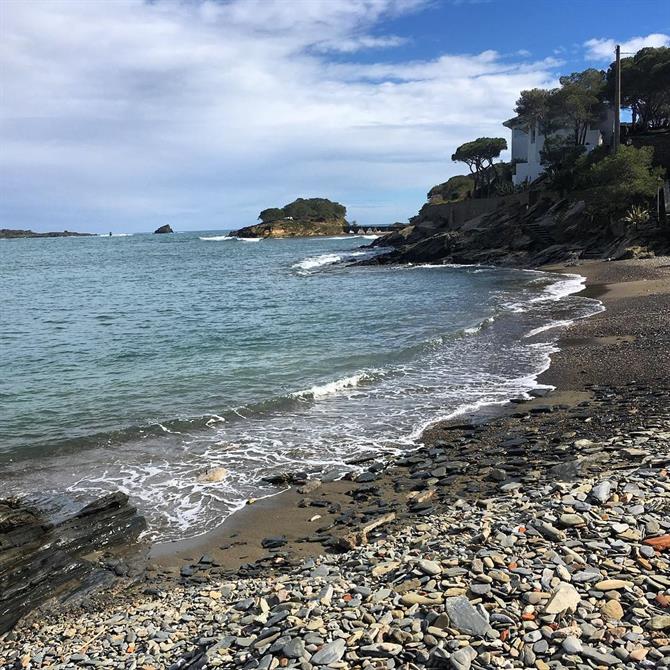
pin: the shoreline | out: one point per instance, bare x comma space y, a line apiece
237, 542
539, 458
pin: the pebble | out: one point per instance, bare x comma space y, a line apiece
543, 574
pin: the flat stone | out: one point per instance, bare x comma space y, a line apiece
462, 659
659, 622
564, 598
572, 645
602, 658
429, 567
381, 649
612, 610
570, 520
294, 649
329, 653
465, 618
414, 598
601, 491
613, 584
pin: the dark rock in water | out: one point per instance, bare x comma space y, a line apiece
40, 560
164, 229
286, 478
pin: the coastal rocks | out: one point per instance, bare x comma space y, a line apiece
516, 230
39, 559
163, 229
213, 475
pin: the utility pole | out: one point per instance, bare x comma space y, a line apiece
617, 100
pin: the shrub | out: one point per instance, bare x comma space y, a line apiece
621, 180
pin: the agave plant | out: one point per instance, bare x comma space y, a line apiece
636, 215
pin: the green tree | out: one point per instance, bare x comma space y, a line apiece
624, 179
578, 103
305, 208
532, 106
645, 86
479, 155
271, 214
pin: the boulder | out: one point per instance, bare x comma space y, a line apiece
163, 229
40, 560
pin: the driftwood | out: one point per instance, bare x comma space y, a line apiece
359, 537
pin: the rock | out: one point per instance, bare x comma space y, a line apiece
565, 598
613, 584
465, 618
213, 475
429, 567
329, 653
294, 649
462, 659
659, 622
602, 658
658, 543
381, 649
612, 610
601, 492
163, 229
570, 520
273, 542
310, 486
414, 598
572, 645
39, 560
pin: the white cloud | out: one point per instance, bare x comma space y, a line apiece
124, 113
603, 48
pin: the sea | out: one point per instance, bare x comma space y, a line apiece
139, 362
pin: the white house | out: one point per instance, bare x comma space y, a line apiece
527, 143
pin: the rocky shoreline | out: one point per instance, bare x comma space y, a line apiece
537, 539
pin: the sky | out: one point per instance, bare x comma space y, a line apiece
123, 115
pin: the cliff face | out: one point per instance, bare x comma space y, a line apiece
515, 231
294, 228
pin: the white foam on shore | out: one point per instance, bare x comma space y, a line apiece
480, 326
317, 261
116, 235
217, 238
331, 388
549, 326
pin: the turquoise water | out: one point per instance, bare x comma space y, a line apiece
138, 362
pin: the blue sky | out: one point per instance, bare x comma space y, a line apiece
124, 115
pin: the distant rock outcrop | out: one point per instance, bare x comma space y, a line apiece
523, 230
163, 229
301, 218
9, 234
40, 560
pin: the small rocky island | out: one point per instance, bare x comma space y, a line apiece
10, 234
163, 229
308, 217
